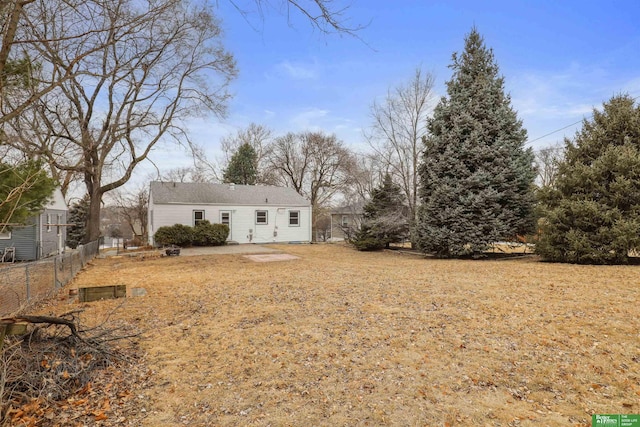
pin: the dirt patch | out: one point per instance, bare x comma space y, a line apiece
229, 249
347, 338
271, 258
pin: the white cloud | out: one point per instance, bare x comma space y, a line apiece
310, 119
632, 87
297, 70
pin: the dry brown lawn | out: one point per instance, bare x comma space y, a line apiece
342, 338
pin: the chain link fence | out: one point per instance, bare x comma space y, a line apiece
25, 283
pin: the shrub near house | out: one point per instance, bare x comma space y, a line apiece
207, 234
203, 234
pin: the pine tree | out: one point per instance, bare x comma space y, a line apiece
592, 213
25, 189
476, 175
384, 218
78, 215
243, 166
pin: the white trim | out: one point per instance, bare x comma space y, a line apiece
266, 217
297, 218
195, 220
5, 235
228, 223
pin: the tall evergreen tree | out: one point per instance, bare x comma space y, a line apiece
243, 166
592, 213
476, 175
78, 215
384, 219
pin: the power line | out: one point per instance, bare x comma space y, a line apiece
565, 127
555, 131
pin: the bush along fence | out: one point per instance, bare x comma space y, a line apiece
26, 283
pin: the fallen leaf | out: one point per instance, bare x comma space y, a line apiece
100, 415
79, 402
86, 389
106, 405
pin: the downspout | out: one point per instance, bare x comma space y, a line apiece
331, 226
310, 227
39, 233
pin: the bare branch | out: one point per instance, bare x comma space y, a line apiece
399, 124
136, 72
322, 15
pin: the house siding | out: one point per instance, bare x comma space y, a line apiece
25, 240
243, 224
33, 241
49, 239
338, 231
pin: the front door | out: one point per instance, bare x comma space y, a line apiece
225, 218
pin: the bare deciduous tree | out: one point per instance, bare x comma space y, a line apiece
367, 173
12, 14
139, 70
116, 77
399, 124
546, 161
132, 208
183, 174
316, 165
257, 136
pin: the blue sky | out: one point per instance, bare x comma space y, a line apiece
559, 59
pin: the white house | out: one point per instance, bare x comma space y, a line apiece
254, 213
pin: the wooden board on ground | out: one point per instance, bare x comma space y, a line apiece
11, 328
102, 292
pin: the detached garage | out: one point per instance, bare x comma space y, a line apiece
254, 213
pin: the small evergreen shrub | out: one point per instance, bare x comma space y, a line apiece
178, 234
384, 219
364, 240
203, 234
207, 234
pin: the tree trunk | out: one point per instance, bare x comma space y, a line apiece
93, 219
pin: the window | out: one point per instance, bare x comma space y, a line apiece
198, 217
225, 218
294, 218
345, 221
48, 222
262, 217
59, 227
5, 235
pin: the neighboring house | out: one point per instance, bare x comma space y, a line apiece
40, 237
254, 213
116, 226
345, 221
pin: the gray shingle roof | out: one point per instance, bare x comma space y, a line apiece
205, 193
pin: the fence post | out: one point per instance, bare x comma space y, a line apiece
55, 273
26, 275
